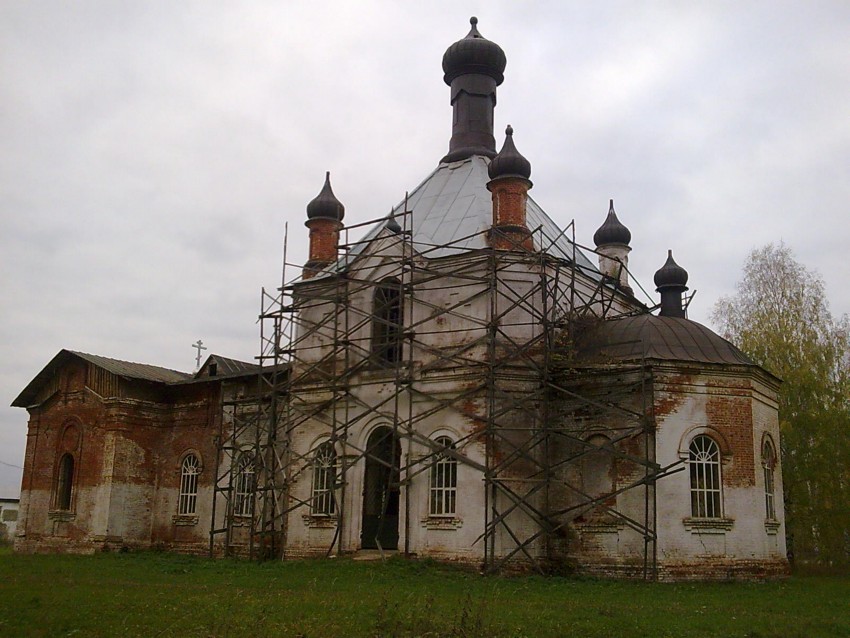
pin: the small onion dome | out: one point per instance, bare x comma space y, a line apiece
612, 231
474, 54
509, 161
392, 225
671, 275
326, 205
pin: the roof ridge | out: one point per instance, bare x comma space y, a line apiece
94, 357
222, 357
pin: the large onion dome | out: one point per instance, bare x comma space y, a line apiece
474, 54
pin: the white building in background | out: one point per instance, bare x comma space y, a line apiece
8, 518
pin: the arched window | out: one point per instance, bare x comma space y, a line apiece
443, 480
387, 320
189, 470
64, 483
768, 462
324, 477
704, 462
243, 485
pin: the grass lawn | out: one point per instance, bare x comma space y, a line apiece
152, 594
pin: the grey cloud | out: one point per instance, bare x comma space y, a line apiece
152, 152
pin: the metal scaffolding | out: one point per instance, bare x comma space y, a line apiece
484, 336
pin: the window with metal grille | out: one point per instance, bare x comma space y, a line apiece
243, 485
324, 477
64, 483
706, 492
189, 470
768, 461
444, 480
387, 319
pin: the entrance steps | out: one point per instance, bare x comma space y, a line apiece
374, 554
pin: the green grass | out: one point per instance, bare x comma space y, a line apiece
153, 594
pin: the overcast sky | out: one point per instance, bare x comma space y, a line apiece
151, 152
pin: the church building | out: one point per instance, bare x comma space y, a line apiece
459, 380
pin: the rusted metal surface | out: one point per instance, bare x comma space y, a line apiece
658, 338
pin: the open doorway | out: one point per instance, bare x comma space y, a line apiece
381, 491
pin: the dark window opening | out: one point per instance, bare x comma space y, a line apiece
64, 483
387, 320
768, 460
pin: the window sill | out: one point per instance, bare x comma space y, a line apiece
184, 520
320, 521
450, 522
61, 515
708, 525
380, 370
771, 526
600, 527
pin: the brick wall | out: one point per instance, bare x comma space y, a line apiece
127, 453
732, 416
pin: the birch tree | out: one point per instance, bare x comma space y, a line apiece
780, 317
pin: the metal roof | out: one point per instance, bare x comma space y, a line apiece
226, 367
452, 210
661, 338
124, 369
129, 370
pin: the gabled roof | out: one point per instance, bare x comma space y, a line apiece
659, 338
125, 369
226, 367
452, 210
129, 370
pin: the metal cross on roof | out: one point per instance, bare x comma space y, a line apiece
198, 346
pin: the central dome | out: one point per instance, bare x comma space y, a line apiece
474, 54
